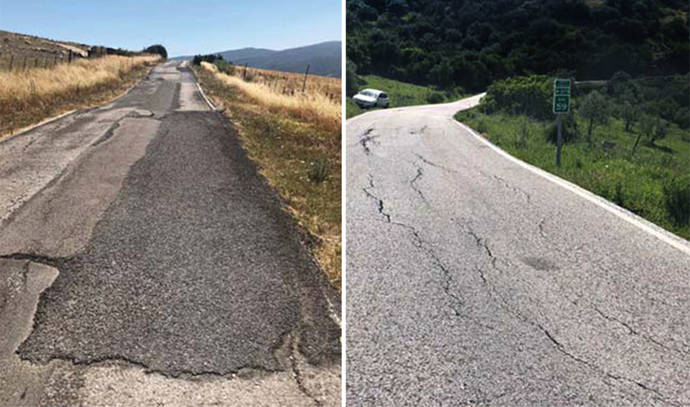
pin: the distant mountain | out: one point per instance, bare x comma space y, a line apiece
323, 58
245, 53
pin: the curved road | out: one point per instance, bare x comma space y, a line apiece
473, 279
143, 261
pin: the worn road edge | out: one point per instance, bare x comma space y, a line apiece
49, 120
624, 214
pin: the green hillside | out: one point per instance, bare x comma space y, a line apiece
400, 93
469, 43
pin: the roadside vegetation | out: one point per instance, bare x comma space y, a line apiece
282, 92
627, 140
449, 43
31, 95
295, 139
399, 93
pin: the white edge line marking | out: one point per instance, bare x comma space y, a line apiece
213, 108
622, 213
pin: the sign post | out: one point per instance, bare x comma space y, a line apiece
561, 105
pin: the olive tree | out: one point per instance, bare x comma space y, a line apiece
594, 109
629, 115
660, 131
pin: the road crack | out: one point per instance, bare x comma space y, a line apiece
433, 164
560, 347
456, 302
116, 124
379, 201
366, 138
297, 372
413, 185
481, 242
633, 331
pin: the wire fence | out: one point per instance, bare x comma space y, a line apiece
10, 62
13, 62
291, 84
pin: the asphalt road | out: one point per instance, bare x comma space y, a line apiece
474, 280
145, 262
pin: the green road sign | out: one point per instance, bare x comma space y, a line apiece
561, 96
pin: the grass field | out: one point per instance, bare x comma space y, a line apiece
608, 169
282, 92
400, 94
296, 142
29, 96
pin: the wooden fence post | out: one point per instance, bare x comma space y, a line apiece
11, 61
304, 84
24, 63
244, 74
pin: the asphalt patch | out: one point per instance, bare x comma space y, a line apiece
194, 268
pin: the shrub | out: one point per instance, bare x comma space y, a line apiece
619, 83
677, 200
434, 97
659, 131
352, 81
157, 49
318, 171
618, 194
682, 118
212, 58
594, 108
225, 67
629, 114
523, 133
481, 126
530, 95
569, 130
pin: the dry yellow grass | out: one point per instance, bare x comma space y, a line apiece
282, 91
29, 96
40, 84
290, 143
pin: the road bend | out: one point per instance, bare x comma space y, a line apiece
474, 279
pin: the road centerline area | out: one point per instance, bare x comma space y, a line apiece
482, 283
174, 260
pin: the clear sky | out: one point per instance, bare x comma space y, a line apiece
183, 26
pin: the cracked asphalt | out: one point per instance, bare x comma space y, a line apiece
474, 281
144, 261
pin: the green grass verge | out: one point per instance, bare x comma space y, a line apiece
608, 169
400, 94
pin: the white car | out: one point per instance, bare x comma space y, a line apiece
371, 98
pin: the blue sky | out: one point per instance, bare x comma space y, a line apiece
183, 26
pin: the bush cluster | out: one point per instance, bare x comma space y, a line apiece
157, 49
211, 58
447, 43
529, 95
677, 200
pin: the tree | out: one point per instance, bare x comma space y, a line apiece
646, 129
352, 81
157, 49
594, 109
628, 114
660, 131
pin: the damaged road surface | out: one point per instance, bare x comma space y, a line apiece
473, 280
143, 261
